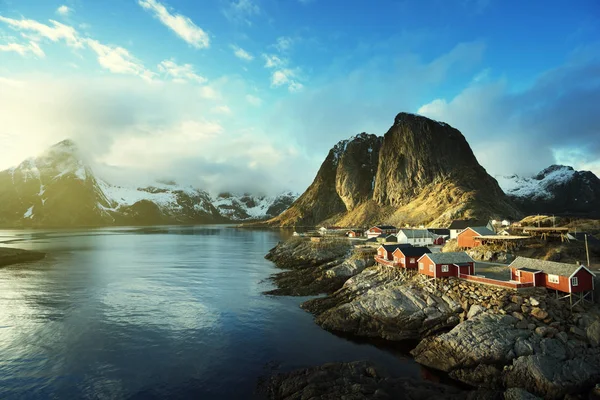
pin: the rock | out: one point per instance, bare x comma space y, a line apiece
347, 269
372, 305
522, 325
534, 302
563, 337
475, 310
519, 394
482, 376
578, 332
542, 330
553, 378
538, 313
553, 348
523, 347
484, 339
354, 380
518, 316
593, 333
518, 300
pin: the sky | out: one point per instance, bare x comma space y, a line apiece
250, 95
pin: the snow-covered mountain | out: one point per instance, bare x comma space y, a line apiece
557, 189
58, 189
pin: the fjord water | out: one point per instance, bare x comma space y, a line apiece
168, 312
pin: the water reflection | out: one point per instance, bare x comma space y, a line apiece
112, 313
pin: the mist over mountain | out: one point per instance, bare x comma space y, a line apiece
59, 189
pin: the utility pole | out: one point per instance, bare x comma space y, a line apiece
587, 251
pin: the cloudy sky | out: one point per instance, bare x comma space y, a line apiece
251, 94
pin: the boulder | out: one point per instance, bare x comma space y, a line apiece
475, 310
593, 333
538, 313
519, 394
534, 302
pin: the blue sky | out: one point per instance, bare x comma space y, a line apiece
251, 94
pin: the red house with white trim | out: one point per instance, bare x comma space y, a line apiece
566, 278
379, 230
441, 265
407, 257
385, 252
467, 238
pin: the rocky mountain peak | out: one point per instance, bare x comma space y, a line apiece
552, 169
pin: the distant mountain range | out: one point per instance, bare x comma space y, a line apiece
58, 189
558, 190
424, 172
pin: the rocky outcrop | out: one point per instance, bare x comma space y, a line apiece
557, 190
421, 171
355, 380
312, 268
10, 256
377, 303
499, 350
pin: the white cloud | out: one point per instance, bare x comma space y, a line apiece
23, 50
295, 87
183, 26
241, 11
287, 77
118, 60
224, 110
180, 73
64, 10
241, 53
283, 43
273, 61
209, 93
54, 33
255, 101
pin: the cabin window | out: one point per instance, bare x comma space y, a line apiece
518, 273
553, 279
574, 281
403, 260
420, 265
445, 268
412, 260
431, 267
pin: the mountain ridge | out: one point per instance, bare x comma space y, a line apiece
424, 172
59, 189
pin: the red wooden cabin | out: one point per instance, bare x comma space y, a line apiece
385, 253
381, 230
407, 257
566, 278
467, 238
440, 265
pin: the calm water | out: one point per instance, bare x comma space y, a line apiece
176, 313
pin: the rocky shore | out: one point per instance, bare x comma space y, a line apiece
10, 256
486, 337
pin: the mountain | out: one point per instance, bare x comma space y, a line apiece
420, 172
558, 190
242, 207
58, 189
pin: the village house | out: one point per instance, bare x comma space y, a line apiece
379, 230
439, 235
459, 225
416, 237
562, 277
385, 252
441, 265
407, 257
468, 238
355, 233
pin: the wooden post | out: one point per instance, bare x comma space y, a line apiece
587, 251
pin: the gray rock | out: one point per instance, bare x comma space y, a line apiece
553, 348
519, 394
563, 337
475, 310
534, 302
593, 333
578, 332
484, 339
539, 313
523, 348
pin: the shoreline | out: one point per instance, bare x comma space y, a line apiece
484, 338
11, 256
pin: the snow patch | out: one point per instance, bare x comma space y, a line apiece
28, 213
536, 187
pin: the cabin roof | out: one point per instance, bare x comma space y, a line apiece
530, 270
391, 247
414, 251
415, 233
384, 227
549, 267
482, 230
466, 223
441, 232
459, 257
